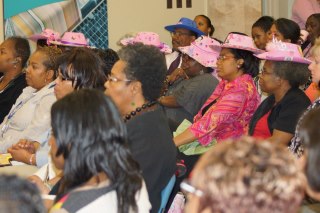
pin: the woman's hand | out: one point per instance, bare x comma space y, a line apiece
21, 155
176, 74
30, 146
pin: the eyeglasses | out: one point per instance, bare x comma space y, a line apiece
63, 78
114, 79
224, 57
188, 188
264, 72
179, 34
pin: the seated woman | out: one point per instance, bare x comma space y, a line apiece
245, 175
185, 98
260, 31
228, 110
134, 85
204, 24
313, 28
296, 145
15, 52
99, 171
285, 30
29, 118
284, 71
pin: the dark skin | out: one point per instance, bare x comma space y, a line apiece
313, 28
190, 68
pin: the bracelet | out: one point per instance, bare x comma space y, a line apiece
31, 158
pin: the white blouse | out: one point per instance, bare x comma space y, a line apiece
29, 117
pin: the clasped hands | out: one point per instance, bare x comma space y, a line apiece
23, 150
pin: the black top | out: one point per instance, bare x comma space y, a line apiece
285, 114
9, 96
151, 143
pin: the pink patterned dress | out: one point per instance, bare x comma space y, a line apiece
236, 101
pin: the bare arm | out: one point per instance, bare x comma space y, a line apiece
184, 138
280, 137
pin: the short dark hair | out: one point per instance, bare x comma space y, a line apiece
296, 73
208, 23
289, 29
92, 138
109, 57
251, 63
21, 48
264, 22
309, 131
145, 63
83, 67
19, 196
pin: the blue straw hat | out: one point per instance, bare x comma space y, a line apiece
185, 23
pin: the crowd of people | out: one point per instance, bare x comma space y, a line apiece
233, 123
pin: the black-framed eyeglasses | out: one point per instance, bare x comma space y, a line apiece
114, 79
186, 187
63, 78
179, 34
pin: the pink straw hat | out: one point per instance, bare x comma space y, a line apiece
47, 34
147, 38
72, 39
242, 42
283, 51
204, 50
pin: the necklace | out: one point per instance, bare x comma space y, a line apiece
138, 110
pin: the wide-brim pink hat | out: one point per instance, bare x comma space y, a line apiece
204, 50
242, 42
283, 51
147, 38
45, 34
72, 39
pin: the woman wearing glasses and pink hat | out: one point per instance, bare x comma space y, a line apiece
228, 110
189, 90
284, 71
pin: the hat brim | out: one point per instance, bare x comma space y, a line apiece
185, 50
171, 28
267, 56
254, 50
163, 48
68, 45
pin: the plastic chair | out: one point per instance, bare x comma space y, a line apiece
165, 193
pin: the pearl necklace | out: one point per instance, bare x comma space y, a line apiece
138, 110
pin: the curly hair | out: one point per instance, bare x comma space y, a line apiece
52, 54
248, 175
92, 149
21, 48
109, 57
146, 64
83, 67
296, 73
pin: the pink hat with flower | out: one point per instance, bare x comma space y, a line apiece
204, 50
242, 42
147, 38
47, 34
72, 39
283, 51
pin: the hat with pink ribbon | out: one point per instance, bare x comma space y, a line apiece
204, 50
283, 51
242, 42
72, 39
47, 34
147, 38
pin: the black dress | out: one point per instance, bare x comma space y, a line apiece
152, 146
10, 94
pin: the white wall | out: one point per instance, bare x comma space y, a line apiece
277, 8
126, 16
